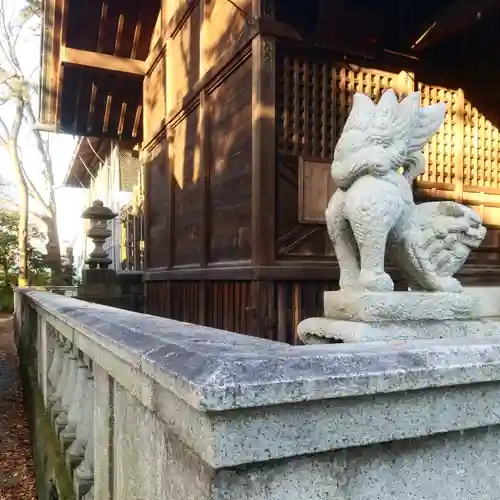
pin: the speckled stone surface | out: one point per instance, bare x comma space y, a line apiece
488, 300
103, 414
215, 370
150, 462
326, 330
399, 306
202, 414
458, 466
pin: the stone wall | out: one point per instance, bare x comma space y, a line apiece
177, 411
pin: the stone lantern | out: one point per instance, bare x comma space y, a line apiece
99, 283
99, 216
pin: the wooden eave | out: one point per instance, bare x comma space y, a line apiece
93, 66
453, 19
85, 161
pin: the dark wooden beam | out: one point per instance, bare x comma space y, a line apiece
453, 19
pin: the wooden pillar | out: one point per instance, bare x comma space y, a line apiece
147, 218
205, 200
263, 170
170, 193
263, 149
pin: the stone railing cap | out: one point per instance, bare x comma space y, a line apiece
217, 370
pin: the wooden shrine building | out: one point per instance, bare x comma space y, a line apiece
237, 106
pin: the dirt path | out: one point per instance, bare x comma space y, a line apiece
16, 466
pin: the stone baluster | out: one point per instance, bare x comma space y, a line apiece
89, 495
84, 473
55, 399
76, 452
68, 435
55, 366
61, 420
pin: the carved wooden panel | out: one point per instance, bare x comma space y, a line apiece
315, 190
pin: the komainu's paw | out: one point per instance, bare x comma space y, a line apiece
376, 282
448, 285
349, 280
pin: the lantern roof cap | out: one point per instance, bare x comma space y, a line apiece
97, 211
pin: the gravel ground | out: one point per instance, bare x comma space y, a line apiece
17, 478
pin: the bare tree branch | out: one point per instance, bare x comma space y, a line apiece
18, 122
4, 133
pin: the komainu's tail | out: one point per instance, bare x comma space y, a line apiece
442, 237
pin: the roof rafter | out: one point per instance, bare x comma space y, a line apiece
102, 61
453, 19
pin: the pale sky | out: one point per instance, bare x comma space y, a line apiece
70, 202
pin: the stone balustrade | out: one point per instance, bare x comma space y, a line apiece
131, 406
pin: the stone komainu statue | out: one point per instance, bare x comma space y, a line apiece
373, 212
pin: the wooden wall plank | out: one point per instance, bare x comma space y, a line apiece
183, 58
187, 190
205, 118
230, 180
155, 96
224, 26
158, 195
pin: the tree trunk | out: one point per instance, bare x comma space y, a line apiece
23, 279
23, 217
53, 247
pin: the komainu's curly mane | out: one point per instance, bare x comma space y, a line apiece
380, 138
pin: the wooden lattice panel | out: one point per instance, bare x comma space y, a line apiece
465, 151
314, 99
444, 150
481, 150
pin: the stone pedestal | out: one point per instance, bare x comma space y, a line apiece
99, 283
352, 316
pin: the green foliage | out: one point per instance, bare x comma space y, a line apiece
9, 253
6, 299
9, 258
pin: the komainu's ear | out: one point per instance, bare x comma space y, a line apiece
361, 112
388, 100
428, 122
406, 116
